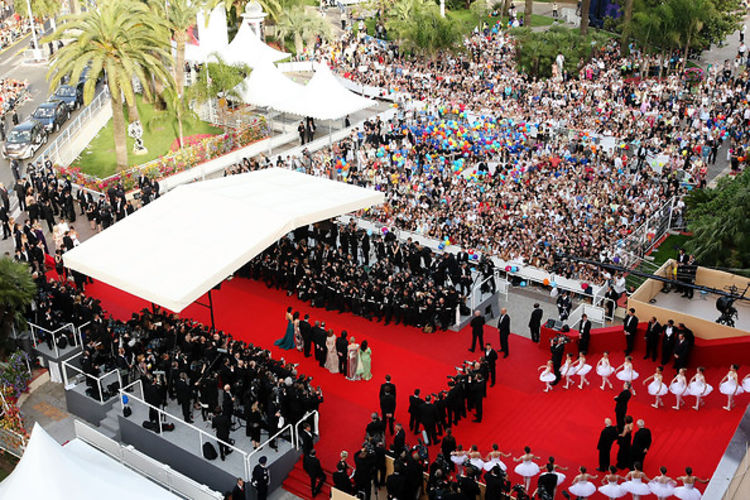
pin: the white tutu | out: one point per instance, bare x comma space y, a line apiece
627, 375
582, 489
604, 370
687, 492
568, 371
488, 466
612, 490
477, 462
584, 369
729, 387
560, 477
661, 490
547, 376
636, 487
677, 388
527, 469
657, 388
458, 459
699, 388
746, 385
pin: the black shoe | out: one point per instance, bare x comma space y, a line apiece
505, 355
645, 357
566, 495
471, 350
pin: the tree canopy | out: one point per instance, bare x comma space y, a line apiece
17, 289
417, 24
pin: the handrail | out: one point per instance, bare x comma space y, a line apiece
80, 331
33, 326
98, 380
310, 413
275, 436
200, 432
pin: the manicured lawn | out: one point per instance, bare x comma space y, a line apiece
669, 248
159, 132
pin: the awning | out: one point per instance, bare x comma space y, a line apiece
177, 248
267, 85
247, 48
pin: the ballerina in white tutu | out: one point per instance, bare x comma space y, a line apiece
688, 491
458, 457
567, 370
678, 387
662, 485
548, 375
527, 468
699, 388
657, 387
626, 373
475, 458
746, 383
610, 488
635, 484
582, 369
730, 386
604, 370
493, 458
582, 487
560, 476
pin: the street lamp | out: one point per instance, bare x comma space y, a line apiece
33, 27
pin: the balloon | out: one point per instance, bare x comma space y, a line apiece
369, 232
523, 283
441, 246
125, 399
617, 260
507, 269
514, 269
553, 284
385, 230
584, 286
546, 281
474, 257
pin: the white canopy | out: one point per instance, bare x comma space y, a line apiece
247, 48
266, 85
212, 36
323, 98
180, 246
74, 472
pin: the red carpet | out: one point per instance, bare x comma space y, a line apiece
562, 423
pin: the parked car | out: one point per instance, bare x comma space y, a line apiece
52, 114
71, 95
24, 140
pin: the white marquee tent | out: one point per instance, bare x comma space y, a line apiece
266, 85
212, 36
177, 248
75, 471
247, 48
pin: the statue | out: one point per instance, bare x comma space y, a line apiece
135, 130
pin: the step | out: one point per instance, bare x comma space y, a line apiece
298, 483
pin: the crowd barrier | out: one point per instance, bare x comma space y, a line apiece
101, 383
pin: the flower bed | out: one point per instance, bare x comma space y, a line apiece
205, 150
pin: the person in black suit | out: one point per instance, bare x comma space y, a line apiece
584, 334
222, 423
668, 339
238, 492
558, 352
305, 330
388, 408
184, 397
653, 331
342, 343
399, 440
319, 341
396, 483
261, 479
307, 439
630, 328
496, 483
607, 438
621, 405
477, 330
428, 415
641, 444
681, 351
490, 356
503, 325
415, 408
312, 466
448, 444
535, 322
546, 484
388, 385
227, 401
341, 480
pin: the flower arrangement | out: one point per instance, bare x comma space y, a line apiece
170, 164
693, 75
15, 375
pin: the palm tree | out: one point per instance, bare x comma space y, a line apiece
585, 7
689, 18
122, 39
17, 289
628, 17
528, 10
180, 16
302, 25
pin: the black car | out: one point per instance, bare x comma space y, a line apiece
71, 95
52, 114
24, 140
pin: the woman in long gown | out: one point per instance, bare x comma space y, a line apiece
365, 356
287, 341
332, 359
352, 359
298, 343
623, 444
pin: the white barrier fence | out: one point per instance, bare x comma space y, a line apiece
156, 471
100, 383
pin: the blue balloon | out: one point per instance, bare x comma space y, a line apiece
441, 246
125, 399
474, 257
553, 284
369, 232
514, 269
523, 283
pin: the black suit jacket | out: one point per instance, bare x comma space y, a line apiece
391, 385
312, 466
641, 440
504, 325
491, 357
622, 400
607, 437
399, 442
222, 423
681, 348
536, 318
388, 403
631, 324
307, 442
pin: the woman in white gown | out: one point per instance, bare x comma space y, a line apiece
730, 386
657, 387
567, 370
582, 369
636, 482
332, 357
626, 373
582, 486
548, 375
662, 485
527, 468
688, 491
493, 458
678, 387
610, 488
604, 370
699, 388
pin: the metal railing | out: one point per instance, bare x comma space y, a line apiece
641, 241
287, 428
12, 442
58, 151
162, 414
141, 463
316, 420
99, 382
33, 328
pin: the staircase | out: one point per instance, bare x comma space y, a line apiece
109, 426
298, 483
